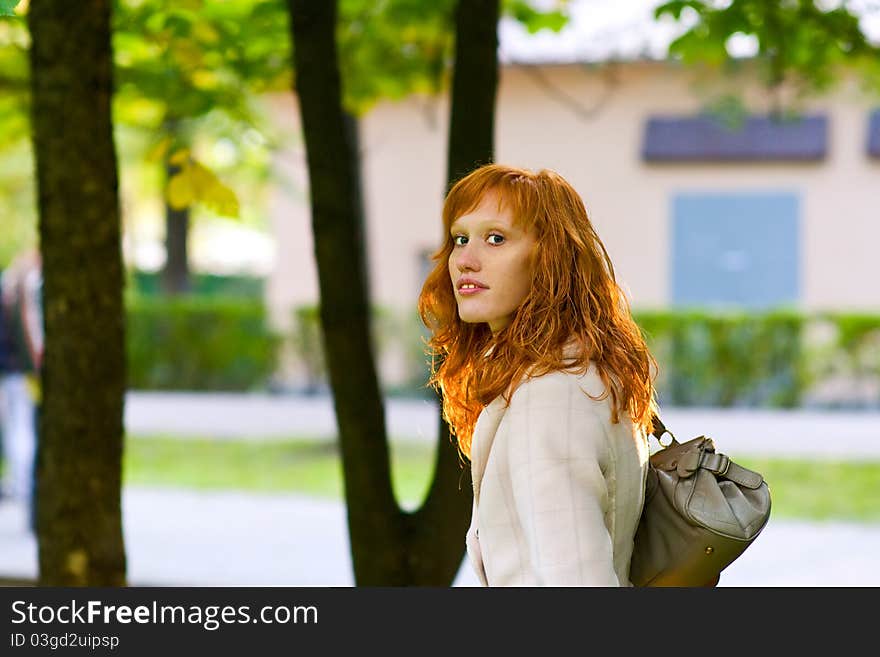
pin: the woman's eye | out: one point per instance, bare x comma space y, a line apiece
499, 241
459, 240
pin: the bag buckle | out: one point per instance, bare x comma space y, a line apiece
717, 464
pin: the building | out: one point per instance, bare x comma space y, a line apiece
692, 213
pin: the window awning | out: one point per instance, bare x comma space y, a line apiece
874, 134
757, 139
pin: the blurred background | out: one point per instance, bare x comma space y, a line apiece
728, 154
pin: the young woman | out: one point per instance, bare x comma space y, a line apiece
546, 380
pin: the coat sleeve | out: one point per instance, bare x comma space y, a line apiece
558, 457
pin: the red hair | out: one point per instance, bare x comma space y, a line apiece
574, 294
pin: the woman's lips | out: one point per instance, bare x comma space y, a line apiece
468, 291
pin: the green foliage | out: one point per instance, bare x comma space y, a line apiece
193, 182
729, 110
188, 76
179, 64
770, 359
394, 48
800, 42
7, 7
143, 283
190, 343
18, 225
417, 358
534, 19
191, 58
308, 346
732, 359
14, 78
773, 359
854, 351
854, 329
386, 329
704, 359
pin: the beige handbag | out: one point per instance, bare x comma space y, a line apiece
701, 512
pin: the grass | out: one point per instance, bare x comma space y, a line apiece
301, 465
803, 489
821, 490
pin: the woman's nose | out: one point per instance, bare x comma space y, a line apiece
467, 259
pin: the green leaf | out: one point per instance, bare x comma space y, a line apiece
179, 158
7, 7
729, 110
196, 183
179, 193
675, 7
158, 151
533, 19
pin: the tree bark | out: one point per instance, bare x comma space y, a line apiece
175, 277
474, 88
352, 133
175, 273
79, 454
389, 546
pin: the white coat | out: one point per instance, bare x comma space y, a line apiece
558, 488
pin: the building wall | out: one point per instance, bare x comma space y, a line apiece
587, 123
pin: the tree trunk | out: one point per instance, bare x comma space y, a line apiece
389, 546
175, 278
352, 131
474, 85
79, 455
373, 519
175, 274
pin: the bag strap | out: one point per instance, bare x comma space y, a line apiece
659, 429
721, 466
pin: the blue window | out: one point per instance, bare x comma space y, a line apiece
737, 250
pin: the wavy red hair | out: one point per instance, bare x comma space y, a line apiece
574, 294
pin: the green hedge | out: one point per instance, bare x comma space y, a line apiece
386, 329
771, 359
149, 284
307, 346
735, 359
188, 343
857, 343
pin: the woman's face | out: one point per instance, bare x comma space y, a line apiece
490, 264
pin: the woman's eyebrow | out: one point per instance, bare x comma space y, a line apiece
491, 224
